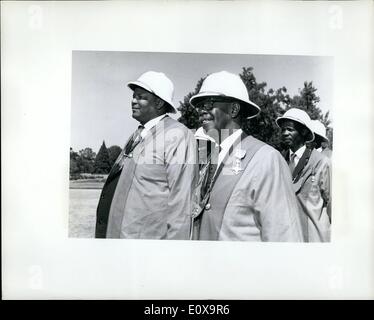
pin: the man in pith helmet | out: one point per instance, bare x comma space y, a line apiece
147, 194
311, 175
321, 141
245, 193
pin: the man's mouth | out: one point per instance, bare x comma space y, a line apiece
205, 118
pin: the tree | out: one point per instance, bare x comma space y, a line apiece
82, 161
190, 117
307, 100
114, 152
87, 160
330, 136
74, 158
271, 103
102, 163
325, 119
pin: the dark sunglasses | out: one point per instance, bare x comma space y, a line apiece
208, 103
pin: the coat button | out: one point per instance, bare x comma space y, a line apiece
207, 206
130, 155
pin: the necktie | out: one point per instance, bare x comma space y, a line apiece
291, 163
209, 173
134, 141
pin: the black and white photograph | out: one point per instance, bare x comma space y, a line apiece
191, 168
187, 150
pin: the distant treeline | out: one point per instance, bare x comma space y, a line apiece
87, 161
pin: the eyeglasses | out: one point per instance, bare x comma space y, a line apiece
208, 103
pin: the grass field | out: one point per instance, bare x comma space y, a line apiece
86, 184
82, 211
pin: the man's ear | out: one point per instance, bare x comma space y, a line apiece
305, 133
235, 109
159, 103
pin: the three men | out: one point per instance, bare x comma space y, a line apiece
149, 189
311, 175
246, 192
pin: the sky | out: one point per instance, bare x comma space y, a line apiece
101, 101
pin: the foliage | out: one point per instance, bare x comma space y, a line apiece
102, 162
271, 103
190, 116
307, 100
83, 161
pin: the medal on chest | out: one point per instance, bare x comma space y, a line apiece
239, 154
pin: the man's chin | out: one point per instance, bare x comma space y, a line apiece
135, 115
287, 144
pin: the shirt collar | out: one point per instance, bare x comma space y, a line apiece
299, 152
228, 142
151, 123
201, 135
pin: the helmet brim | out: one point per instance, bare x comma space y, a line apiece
253, 111
321, 137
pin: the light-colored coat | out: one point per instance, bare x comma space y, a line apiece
152, 199
313, 192
256, 203
327, 152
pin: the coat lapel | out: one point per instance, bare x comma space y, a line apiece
305, 171
301, 164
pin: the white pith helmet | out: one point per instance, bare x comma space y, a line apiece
226, 84
319, 129
158, 84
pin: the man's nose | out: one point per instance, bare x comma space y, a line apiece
285, 133
202, 112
